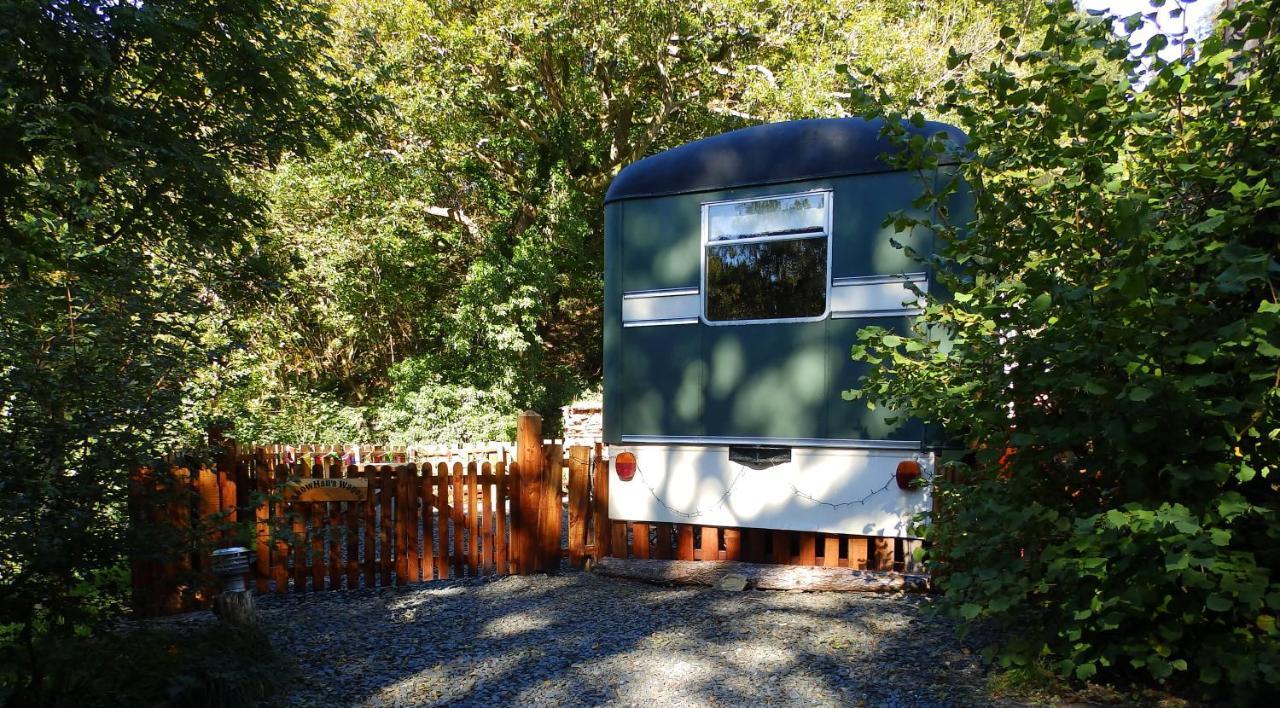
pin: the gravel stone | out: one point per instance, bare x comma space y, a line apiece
576, 639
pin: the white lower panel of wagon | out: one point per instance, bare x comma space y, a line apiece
825, 490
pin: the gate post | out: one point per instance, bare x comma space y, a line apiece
528, 498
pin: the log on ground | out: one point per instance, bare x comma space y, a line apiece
763, 577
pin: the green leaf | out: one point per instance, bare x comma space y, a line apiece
1218, 603
1139, 394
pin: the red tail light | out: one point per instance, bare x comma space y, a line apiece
625, 465
907, 473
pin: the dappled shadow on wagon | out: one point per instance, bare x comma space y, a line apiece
577, 639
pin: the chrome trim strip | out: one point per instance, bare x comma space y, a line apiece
786, 442
852, 314
661, 292
657, 323
877, 279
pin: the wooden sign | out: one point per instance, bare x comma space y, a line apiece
315, 489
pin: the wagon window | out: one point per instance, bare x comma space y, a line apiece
766, 259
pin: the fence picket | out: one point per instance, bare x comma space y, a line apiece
455, 507
500, 544
579, 468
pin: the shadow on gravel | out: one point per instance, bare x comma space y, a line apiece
577, 639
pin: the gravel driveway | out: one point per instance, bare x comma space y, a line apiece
579, 639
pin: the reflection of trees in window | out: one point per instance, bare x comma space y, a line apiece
767, 280
767, 217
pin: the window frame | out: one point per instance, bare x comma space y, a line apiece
706, 243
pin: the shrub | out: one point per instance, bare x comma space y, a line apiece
1109, 353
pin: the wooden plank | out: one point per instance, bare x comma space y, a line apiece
443, 510
527, 488
663, 549
550, 521
426, 559
502, 496
371, 528
857, 551
455, 508
600, 508
763, 577
710, 549
756, 542
486, 518
782, 547
353, 511
336, 527
385, 529
407, 515
909, 562
684, 542
881, 551
618, 542
732, 544
473, 521
640, 540
579, 471
227, 491
316, 517
830, 550
298, 546
262, 528
808, 548
280, 552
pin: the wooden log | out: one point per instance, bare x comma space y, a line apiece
762, 577
235, 608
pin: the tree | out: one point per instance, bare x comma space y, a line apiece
1109, 352
125, 131
463, 235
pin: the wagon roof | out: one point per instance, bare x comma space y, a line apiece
766, 154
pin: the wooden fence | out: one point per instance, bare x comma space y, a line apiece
466, 512
470, 512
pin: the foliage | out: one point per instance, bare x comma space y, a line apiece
125, 129
1109, 352
217, 665
462, 233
